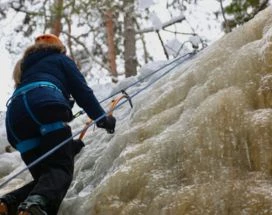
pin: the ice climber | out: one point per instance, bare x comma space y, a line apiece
36, 121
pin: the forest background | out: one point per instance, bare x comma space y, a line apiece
112, 39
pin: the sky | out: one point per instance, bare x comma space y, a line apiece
153, 43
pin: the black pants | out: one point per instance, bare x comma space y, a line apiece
53, 175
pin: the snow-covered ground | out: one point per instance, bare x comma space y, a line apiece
196, 142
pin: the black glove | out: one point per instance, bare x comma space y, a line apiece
107, 123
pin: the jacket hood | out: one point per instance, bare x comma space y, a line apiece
32, 55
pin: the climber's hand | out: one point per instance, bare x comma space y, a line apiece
108, 123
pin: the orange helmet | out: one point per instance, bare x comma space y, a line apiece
48, 39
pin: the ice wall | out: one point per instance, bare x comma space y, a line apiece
199, 142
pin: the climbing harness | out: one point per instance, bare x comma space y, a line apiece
25, 145
115, 105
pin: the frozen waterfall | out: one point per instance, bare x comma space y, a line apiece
198, 142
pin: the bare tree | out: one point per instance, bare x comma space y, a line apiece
57, 14
129, 38
109, 25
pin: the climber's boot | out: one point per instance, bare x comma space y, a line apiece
33, 205
8, 205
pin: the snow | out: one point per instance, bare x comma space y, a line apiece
195, 40
194, 142
173, 47
157, 23
5, 81
143, 4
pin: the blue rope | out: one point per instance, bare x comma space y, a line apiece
93, 122
140, 80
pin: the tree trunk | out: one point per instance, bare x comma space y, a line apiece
129, 39
111, 44
57, 14
147, 57
69, 39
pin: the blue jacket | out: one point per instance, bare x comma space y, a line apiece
52, 66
